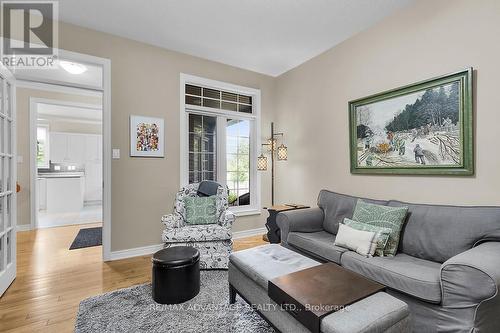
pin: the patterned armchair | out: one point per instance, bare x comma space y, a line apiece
212, 240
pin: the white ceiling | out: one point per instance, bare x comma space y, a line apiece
65, 112
266, 36
91, 78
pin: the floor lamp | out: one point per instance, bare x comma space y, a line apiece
277, 152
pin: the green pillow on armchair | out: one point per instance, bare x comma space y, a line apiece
200, 210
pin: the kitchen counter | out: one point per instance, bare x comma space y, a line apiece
61, 175
61, 192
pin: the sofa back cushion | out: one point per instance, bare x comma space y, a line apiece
437, 233
338, 206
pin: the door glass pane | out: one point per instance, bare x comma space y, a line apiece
2, 137
7, 176
2, 82
2, 251
7, 99
8, 211
202, 148
2, 182
9, 248
9, 137
238, 161
2, 205
195, 124
194, 161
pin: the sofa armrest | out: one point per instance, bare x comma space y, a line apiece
302, 220
172, 221
470, 283
227, 219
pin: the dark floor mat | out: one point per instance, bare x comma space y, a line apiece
87, 237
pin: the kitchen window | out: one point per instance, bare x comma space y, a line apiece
220, 136
42, 146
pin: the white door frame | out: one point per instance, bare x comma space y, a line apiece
106, 135
8, 275
33, 117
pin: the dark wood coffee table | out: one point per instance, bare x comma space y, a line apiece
312, 293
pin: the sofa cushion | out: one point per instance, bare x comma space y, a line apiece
437, 233
318, 244
266, 262
338, 206
196, 233
416, 277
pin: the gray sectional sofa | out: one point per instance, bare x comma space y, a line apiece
447, 268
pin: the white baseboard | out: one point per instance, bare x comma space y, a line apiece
23, 227
146, 250
249, 233
135, 252
65, 224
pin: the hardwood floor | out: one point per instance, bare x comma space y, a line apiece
52, 280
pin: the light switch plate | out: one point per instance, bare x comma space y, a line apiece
19, 159
116, 153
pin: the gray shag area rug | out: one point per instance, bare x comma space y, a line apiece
133, 310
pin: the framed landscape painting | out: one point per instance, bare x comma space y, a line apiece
424, 128
146, 136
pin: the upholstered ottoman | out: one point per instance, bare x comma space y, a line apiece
249, 273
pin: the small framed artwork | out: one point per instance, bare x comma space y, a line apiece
146, 136
421, 129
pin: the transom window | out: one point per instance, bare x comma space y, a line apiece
221, 126
217, 99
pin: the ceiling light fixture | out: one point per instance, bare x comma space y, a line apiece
73, 67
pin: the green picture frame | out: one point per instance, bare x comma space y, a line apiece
425, 128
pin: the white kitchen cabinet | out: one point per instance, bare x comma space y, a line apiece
93, 148
76, 148
42, 193
93, 181
58, 147
64, 194
83, 150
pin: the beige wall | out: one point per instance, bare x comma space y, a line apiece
309, 104
145, 81
23, 96
429, 39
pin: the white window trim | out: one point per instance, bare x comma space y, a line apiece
255, 186
47, 145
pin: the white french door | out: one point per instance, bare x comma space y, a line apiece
7, 179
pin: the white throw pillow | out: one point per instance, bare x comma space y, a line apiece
363, 242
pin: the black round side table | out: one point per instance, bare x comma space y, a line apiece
176, 274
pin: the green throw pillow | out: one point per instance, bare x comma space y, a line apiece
200, 210
382, 216
381, 234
